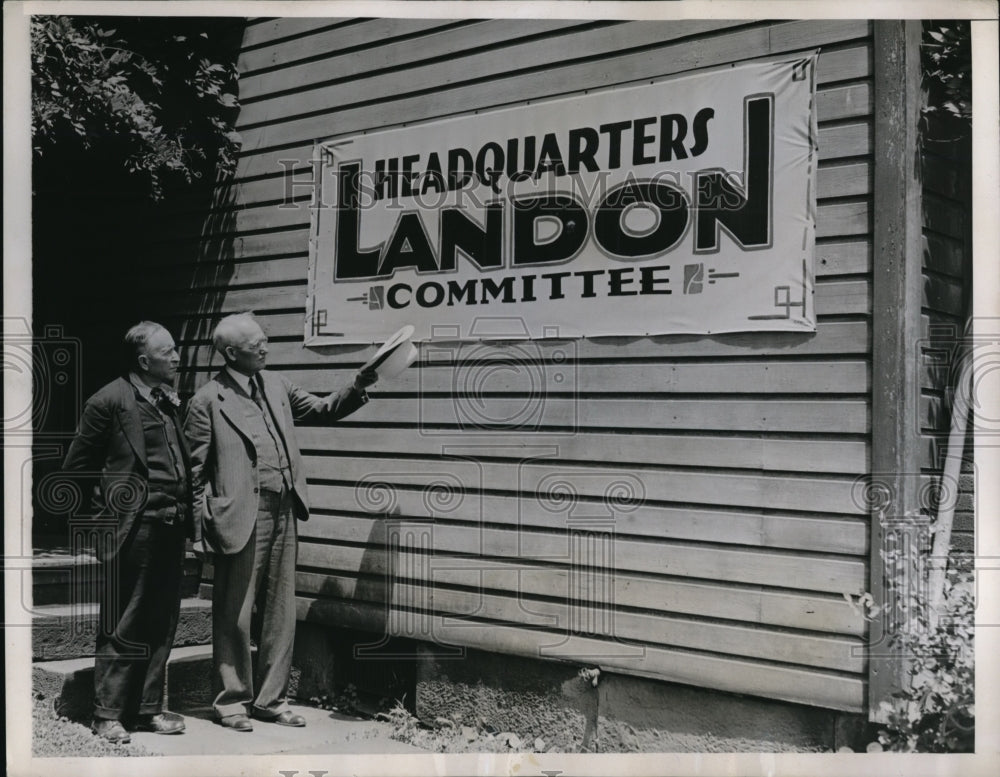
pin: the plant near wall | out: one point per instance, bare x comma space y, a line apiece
150, 95
936, 712
946, 65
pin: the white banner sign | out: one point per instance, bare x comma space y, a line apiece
684, 205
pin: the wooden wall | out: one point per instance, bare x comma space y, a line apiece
947, 271
746, 529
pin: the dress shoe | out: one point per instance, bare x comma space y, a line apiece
161, 723
111, 730
286, 718
238, 722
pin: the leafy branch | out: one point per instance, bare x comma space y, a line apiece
934, 710
946, 62
148, 92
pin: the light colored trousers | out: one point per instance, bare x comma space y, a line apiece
262, 573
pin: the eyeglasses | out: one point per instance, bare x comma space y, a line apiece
256, 345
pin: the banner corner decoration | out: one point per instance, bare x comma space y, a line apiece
686, 205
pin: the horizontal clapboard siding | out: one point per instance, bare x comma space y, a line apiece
350, 564
787, 682
763, 527
779, 492
946, 275
687, 560
732, 451
724, 467
488, 600
441, 376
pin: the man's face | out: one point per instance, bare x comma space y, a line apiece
159, 358
249, 354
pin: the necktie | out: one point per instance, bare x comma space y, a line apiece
255, 393
159, 397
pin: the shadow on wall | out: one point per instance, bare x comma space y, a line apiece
200, 302
352, 631
356, 594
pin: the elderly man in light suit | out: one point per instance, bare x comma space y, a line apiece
249, 487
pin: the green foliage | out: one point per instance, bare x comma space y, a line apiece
406, 727
935, 713
148, 93
947, 70
935, 710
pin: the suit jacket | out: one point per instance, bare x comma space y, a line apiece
224, 458
109, 454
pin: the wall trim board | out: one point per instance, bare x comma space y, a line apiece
897, 290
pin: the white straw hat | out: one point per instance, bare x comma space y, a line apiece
395, 355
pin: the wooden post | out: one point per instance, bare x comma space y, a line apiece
895, 318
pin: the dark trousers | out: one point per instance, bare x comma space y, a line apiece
140, 604
253, 597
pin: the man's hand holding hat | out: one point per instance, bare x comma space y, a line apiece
364, 379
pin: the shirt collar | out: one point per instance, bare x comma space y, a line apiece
144, 391
243, 381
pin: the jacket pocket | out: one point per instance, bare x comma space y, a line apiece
216, 513
217, 508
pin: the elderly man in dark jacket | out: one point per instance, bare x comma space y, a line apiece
130, 447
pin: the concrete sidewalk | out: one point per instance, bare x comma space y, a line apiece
325, 732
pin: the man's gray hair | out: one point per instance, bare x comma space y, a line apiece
136, 339
227, 330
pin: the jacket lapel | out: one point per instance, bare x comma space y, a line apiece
273, 398
231, 399
128, 416
181, 439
